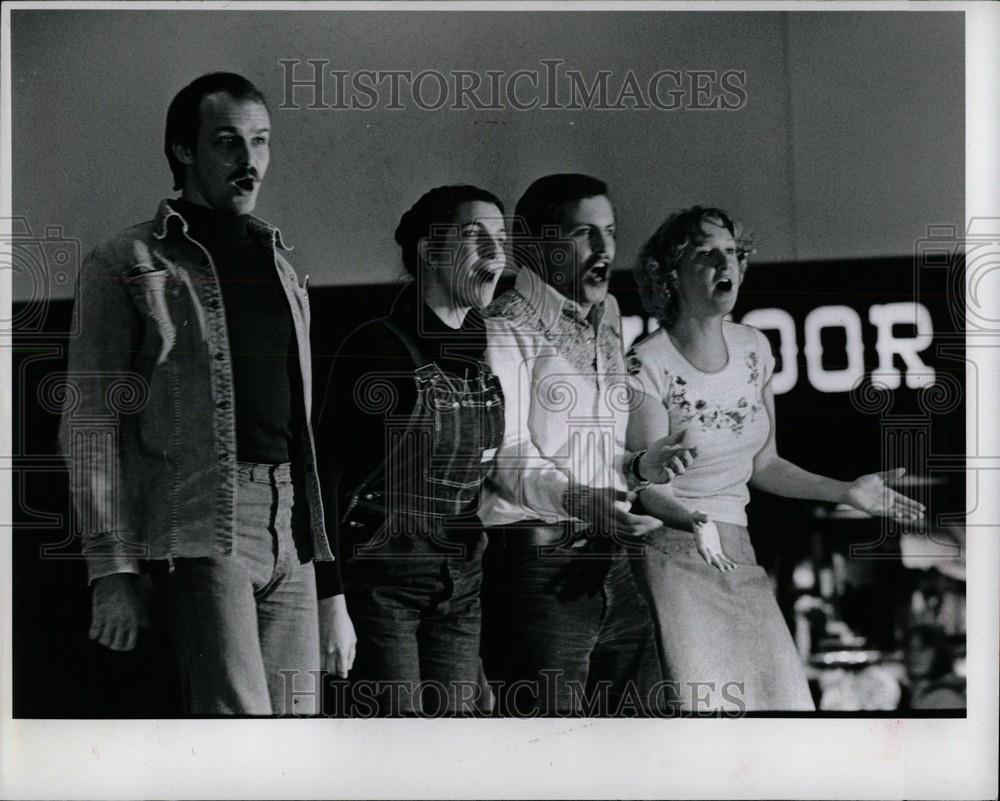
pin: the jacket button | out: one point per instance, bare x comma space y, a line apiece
355, 523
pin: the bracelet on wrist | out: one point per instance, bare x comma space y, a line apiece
633, 470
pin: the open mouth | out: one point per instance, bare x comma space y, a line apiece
486, 272
598, 274
484, 275
244, 184
723, 286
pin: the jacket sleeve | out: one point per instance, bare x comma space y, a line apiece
370, 378
329, 457
99, 390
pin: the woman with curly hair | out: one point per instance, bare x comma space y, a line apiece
722, 641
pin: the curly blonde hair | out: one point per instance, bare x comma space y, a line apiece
655, 268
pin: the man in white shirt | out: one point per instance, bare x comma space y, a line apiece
565, 628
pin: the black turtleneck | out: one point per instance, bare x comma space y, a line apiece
266, 380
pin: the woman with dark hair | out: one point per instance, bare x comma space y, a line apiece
722, 640
408, 429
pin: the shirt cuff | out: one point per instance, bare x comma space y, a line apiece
101, 566
329, 581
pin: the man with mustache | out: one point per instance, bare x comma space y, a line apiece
565, 628
209, 483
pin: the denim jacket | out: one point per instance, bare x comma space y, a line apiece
148, 426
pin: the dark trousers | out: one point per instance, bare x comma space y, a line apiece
565, 631
418, 622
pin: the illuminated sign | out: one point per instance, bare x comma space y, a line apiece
884, 317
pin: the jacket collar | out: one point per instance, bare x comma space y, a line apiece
167, 215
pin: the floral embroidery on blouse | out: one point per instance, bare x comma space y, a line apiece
713, 416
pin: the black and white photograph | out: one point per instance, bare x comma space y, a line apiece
500, 400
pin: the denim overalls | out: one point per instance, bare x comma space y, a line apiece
413, 587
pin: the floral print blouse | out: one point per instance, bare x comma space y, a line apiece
723, 412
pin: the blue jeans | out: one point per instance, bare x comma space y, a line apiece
244, 626
418, 623
565, 631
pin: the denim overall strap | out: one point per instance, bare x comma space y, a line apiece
462, 421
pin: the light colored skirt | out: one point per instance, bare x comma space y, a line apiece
722, 641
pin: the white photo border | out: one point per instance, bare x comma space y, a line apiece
686, 758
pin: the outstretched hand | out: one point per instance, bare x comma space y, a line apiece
667, 458
872, 494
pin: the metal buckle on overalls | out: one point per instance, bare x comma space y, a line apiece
350, 507
356, 497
